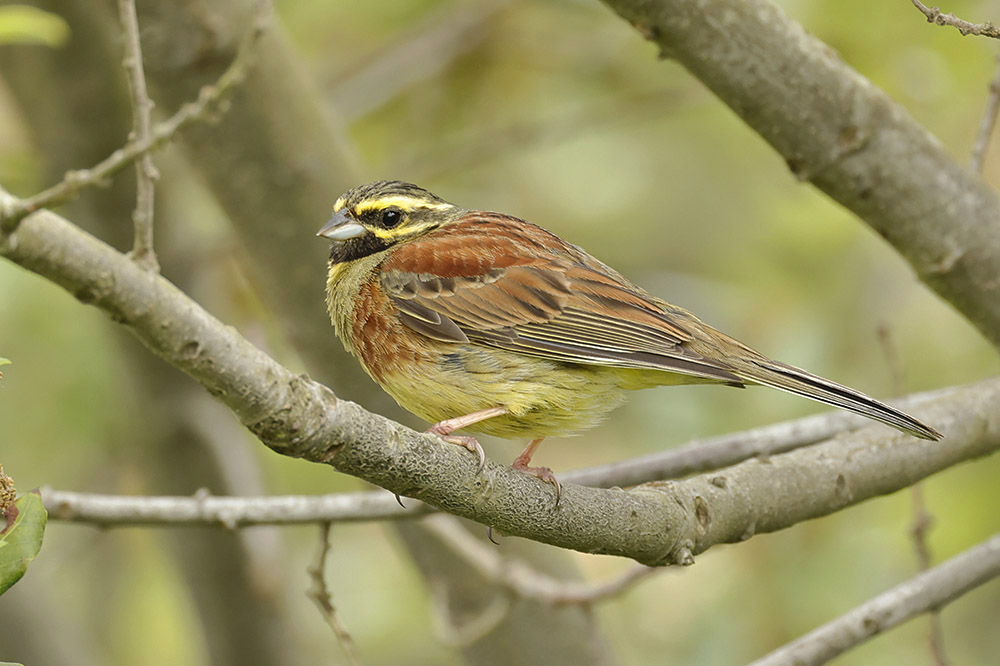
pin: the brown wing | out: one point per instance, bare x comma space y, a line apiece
514, 286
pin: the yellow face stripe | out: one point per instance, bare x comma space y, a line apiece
404, 203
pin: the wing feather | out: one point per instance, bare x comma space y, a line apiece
484, 280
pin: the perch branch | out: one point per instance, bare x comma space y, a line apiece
657, 523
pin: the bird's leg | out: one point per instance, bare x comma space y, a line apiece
443, 429
544, 473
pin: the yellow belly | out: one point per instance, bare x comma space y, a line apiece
544, 398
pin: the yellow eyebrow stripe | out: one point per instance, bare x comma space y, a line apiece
404, 203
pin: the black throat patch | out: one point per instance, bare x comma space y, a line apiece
356, 248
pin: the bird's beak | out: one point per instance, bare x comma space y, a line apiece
341, 227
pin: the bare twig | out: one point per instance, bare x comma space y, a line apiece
926, 591
230, 512
988, 122
922, 520
934, 15
320, 594
522, 579
210, 101
142, 108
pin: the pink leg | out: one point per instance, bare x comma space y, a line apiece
544, 473
443, 429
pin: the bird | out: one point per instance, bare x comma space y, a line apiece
486, 323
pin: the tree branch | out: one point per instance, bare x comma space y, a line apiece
987, 123
700, 455
658, 523
935, 15
522, 579
210, 99
840, 132
927, 591
320, 594
227, 511
142, 132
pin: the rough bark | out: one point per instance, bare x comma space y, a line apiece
840, 132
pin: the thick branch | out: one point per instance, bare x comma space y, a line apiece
655, 524
697, 456
839, 131
925, 592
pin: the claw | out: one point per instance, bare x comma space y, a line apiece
398, 500
470, 443
544, 473
489, 535
443, 429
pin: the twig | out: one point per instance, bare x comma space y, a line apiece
934, 15
522, 579
320, 594
926, 591
988, 122
142, 108
922, 520
210, 101
231, 512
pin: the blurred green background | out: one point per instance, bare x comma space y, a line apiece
558, 112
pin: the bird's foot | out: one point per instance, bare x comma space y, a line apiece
544, 473
468, 442
444, 430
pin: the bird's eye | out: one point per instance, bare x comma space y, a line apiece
391, 217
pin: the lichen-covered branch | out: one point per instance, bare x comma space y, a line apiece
840, 132
697, 456
658, 523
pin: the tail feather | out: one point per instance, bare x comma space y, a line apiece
789, 378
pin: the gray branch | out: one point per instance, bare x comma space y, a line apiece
840, 132
658, 523
697, 456
927, 591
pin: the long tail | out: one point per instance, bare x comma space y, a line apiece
789, 378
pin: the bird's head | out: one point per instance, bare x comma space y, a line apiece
373, 217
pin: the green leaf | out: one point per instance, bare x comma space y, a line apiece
22, 538
4, 361
21, 24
